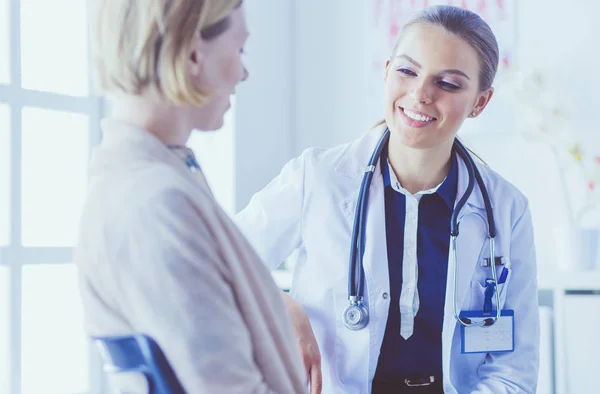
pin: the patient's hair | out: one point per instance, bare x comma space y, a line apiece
143, 47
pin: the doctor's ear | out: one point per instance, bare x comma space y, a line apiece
482, 101
387, 69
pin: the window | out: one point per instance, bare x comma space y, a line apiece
4, 42
48, 122
4, 328
5, 158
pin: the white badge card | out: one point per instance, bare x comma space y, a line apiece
499, 337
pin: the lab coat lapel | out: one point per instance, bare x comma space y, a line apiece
470, 242
353, 165
473, 232
375, 257
375, 264
472, 238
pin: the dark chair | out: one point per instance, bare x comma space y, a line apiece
138, 353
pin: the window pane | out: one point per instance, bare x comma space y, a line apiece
4, 42
54, 159
4, 174
55, 348
54, 47
4, 328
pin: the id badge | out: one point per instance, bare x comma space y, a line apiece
499, 337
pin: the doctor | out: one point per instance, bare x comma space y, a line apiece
439, 74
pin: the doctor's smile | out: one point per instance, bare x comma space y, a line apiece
415, 118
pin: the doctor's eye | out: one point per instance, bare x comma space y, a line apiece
448, 86
407, 71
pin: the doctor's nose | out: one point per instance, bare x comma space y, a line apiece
420, 95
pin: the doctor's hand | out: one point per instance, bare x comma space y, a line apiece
309, 349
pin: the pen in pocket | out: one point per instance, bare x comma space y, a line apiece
503, 276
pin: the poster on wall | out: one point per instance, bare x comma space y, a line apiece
390, 15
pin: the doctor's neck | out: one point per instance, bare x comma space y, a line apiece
419, 169
161, 119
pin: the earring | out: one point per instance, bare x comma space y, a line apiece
473, 113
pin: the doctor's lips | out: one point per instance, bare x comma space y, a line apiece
416, 118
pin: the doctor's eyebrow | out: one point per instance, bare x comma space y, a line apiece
410, 59
444, 72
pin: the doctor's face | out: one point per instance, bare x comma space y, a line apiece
431, 87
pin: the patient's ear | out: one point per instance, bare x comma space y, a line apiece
196, 59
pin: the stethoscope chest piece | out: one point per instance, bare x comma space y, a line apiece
356, 314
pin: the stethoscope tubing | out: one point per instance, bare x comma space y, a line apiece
356, 270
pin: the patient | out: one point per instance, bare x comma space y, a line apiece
156, 253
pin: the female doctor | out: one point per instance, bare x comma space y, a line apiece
411, 325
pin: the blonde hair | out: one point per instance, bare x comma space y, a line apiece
143, 47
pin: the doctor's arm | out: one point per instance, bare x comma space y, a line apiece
179, 293
517, 372
272, 223
272, 219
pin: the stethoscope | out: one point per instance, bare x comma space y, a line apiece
356, 313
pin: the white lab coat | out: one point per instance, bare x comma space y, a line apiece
307, 212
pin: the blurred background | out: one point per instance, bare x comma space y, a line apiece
316, 79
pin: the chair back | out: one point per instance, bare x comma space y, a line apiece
138, 353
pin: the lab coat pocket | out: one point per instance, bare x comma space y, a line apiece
478, 291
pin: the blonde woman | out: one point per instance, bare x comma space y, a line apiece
156, 253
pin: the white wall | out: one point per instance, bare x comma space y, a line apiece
333, 72
307, 85
562, 36
264, 110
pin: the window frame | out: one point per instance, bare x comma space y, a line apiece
14, 256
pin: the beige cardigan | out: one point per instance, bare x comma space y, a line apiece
157, 255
